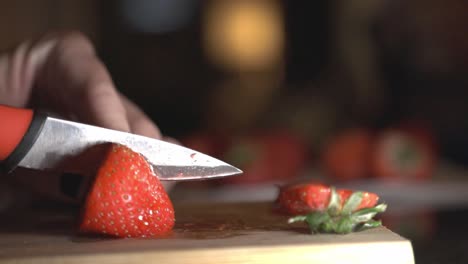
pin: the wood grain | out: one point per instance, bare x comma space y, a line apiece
205, 233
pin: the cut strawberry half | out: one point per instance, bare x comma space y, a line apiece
126, 198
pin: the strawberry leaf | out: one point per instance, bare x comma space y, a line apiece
368, 225
352, 203
299, 218
328, 227
345, 225
314, 220
334, 206
367, 214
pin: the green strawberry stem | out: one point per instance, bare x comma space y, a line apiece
343, 223
342, 220
298, 218
371, 224
334, 206
352, 203
367, 214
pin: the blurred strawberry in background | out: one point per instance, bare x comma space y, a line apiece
422, 132
406, 152
346, 155
267, 156
274, 155
207, 142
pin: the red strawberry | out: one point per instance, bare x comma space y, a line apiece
403, 154
368, 199
127, 199
266, 156
303, 198
307, 197
421, 131
346, 155
328, 210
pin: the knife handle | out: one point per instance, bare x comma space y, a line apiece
19, 129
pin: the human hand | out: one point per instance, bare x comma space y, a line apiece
61, 73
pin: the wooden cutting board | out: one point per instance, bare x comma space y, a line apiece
205, 233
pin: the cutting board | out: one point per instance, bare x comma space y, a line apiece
205, 233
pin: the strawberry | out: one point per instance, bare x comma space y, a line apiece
346, 155
368, 199
126, 198
307, 197
266, 156
329, 210
403, 154
303, 198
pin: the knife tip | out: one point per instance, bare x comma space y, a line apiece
236, 171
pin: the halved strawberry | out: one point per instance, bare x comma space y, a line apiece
330, 210
126, 198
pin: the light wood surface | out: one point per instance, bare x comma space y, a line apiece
209, 233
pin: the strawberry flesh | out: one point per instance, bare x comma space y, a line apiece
368, 199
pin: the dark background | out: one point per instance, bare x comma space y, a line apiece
333, 63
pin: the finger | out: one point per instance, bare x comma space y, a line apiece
101, 106
171, 140
141, 124
138, 121
78, 83
18, 68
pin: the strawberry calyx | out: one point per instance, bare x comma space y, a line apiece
342, 218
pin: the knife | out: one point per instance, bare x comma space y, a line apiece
33, 140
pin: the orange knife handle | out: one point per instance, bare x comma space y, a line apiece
19, 129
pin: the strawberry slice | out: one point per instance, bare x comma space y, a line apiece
126, 198
329, 210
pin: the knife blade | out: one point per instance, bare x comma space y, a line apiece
45, 141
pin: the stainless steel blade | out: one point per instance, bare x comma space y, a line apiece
61, 138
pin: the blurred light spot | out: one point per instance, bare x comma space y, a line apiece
245, 35
157, 16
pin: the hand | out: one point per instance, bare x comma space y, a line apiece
62, 73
